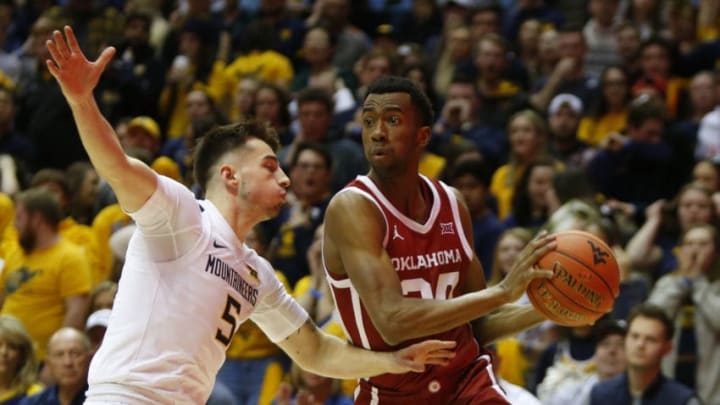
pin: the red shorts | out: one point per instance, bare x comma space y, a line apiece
477, 384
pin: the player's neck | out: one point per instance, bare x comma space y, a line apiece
240, 222
406, 195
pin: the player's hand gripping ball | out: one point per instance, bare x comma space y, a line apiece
585, 282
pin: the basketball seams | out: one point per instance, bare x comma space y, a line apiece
578, 261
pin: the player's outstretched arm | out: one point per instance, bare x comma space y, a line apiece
324, 354
132, 181
353, 242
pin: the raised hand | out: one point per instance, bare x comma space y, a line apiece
523, 271
76, 75
417, 356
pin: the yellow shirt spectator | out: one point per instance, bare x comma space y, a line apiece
84, 237
594, 131
35, 291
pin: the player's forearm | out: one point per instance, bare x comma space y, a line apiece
507, 320
420, 318
338, 359
99, 139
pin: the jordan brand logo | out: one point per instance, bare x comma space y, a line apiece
599, 255
396, 234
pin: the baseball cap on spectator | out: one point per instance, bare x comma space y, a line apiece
99, 318
566, 99
386, 30
606, 327
146, 123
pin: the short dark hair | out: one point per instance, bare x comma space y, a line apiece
655, 312
43, 201
315, 147
643, 108
476, 167
396, 84
44, 176
315, 94
223, 139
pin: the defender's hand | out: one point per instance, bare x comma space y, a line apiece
76, 75
430, 352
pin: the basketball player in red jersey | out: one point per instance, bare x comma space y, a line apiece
398, 252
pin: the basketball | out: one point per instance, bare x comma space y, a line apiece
585, 281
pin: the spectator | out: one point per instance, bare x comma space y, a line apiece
82, 184
609, 335
708, 143
689, 296
243, 99
599, 33
315, 107
69, 228
534, 198
609, 109
564, 116
293, 229
50, 288
13, 142
18, 371
69, 355
102, 296
372, 65
352, 43
455, 53
460, 125
271, 107
638, 167
471, 178
500, 96
651, 249
648, 340
528, 135
318, 49
646, 15
95, 328
628, 40
656, 78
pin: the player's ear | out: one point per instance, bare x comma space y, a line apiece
228, 174
423, 136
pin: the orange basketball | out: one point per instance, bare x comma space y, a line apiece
585, 282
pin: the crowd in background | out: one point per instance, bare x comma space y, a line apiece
550, 114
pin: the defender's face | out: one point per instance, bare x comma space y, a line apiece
262, 183
389, 130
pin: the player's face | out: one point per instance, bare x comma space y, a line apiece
68, 360
610, 355
646, 343
390, 131
9, 357
262, 183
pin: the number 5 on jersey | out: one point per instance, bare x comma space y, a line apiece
232, 309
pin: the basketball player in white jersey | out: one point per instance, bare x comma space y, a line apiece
189, 280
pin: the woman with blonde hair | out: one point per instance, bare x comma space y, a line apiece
528, 135
18, 367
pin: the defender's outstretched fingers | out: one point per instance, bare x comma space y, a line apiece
60, 44
54, 53
72, 40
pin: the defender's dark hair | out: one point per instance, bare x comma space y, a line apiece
226, 138
396, 84
655, 312
43, 201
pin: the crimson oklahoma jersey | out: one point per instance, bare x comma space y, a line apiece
431, 261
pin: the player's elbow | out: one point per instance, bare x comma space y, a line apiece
387, 325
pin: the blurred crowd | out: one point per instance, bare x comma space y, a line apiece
549, 114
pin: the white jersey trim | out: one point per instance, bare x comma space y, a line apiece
410, 223
456, 216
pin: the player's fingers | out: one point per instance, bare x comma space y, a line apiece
72, 40
105, 57
542, 273
54, 53
52, 68
60, 44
